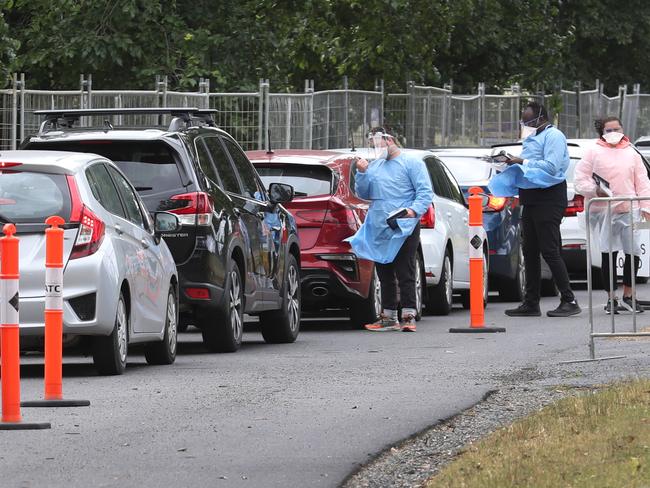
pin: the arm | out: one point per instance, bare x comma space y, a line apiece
641, 183
584, 183
362, 185
555, 156
422, 184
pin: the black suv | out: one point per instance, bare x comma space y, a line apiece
237, 251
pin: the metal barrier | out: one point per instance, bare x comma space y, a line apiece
635, 226
423, 117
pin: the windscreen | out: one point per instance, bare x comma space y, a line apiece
149, 165
29, 197
467, 169
307, 180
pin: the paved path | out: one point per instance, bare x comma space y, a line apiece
298, 415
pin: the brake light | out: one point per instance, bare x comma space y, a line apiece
91, 228
428, 219
198, 293
575, 206
197, 210
7, 164
495, 204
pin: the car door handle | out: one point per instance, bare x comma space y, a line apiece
118, 229
144, 243
448, 215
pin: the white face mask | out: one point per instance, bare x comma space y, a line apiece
526, 131
613, 138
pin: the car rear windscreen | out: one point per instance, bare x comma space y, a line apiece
149, 165
29, 197
467, 169
307, 180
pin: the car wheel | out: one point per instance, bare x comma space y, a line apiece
439, 297
514, 290
464, 296
110, 352
164, 352
223, 333
369, 309
282, 326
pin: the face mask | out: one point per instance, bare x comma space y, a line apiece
378, 146
613, 138
526, 131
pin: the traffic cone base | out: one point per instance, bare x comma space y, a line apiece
25, 425
56, 403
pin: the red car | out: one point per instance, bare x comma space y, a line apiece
326, 212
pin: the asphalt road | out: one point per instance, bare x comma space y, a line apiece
296, 415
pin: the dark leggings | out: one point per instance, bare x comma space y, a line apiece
627, 274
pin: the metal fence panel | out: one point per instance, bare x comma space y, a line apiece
568, 117
239, 114
636, 115
290, 120
127, 99
396, 111
33, 100
465, 121
6, 119
500, 122
428, 116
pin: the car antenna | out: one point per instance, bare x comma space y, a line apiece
352, 140
268, 136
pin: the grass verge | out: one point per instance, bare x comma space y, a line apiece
600, 439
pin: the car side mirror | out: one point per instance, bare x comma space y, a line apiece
166, 222
280, 193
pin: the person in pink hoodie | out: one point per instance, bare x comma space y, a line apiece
613, 159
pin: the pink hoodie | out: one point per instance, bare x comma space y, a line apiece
621, 166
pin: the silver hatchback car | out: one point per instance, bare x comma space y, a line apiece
120, 281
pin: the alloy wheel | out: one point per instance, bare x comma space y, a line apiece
293, 300
121, 323
171, 322
235, 304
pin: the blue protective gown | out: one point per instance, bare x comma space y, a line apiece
548, 160
390, 184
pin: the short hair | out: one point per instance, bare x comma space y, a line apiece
599, 124
538, 108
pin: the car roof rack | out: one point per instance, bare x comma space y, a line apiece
182, 117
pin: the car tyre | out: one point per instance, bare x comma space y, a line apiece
439, 297
110, 352
369, 309
164, 352
283, 325
225, 333
514, 290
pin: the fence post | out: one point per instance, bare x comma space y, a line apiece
260, 116
204, 89
622, 92
14, 110
346, 122
481, 109
578, 87
410, 109
308, 114
381, 106
327, 122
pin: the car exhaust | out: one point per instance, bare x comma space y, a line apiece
319, 291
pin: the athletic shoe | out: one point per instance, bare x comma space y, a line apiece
626, 305
524, 310
566, 309
408, 323
608, 307
383, 324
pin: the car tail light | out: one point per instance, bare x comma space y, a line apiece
197, 210
575, 206
7, 164
91, 228
495, 204
428, 219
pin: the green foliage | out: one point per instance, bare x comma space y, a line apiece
125, 43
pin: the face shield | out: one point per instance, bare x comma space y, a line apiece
378, 143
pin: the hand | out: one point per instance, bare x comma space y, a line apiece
515, 161
362, 165
410, 213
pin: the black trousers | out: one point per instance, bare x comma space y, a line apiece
401, 272
627, 273
541, 235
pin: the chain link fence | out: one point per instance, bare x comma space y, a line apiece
423, 116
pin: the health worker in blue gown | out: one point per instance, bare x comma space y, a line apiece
394, 180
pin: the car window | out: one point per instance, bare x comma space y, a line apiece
467, 169
244, 168
438, 177
206, 162
130, 200
307, 180
222, 164
29, 197
149, 165
456, 192
104, 190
